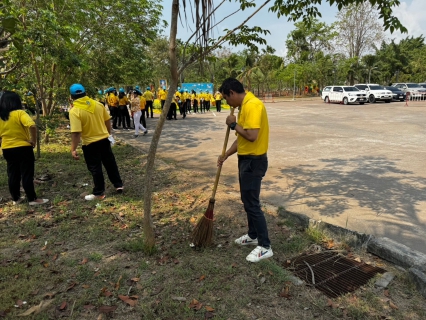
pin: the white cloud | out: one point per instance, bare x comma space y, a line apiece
411, 15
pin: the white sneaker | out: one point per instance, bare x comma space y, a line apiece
259, 253
246, 240
36, 202
90, 197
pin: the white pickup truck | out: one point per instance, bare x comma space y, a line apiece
343, 94
375, 92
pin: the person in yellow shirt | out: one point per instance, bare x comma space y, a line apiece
207, 98
178, 96
218, 99
251, 145
187, 101
90, 122
149, 97
201, 95
123, 101
112, 101
172, 110
18, 136
194, 100
137, 106
163, 96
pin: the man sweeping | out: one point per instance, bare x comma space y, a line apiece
251, 146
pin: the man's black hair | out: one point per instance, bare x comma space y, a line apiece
78, 96
231, 84
9, 102
121, 95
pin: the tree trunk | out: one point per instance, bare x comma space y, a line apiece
148, 226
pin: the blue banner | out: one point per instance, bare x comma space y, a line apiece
198, 87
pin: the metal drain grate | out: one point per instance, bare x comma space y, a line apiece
332, 273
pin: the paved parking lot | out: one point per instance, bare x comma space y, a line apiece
360, 167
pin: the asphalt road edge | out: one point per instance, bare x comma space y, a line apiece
414, 262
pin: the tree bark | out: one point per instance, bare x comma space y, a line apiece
148, 227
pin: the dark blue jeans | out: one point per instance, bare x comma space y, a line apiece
251, 171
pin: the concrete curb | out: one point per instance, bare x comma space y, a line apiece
384, 248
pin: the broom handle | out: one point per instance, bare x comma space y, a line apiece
225, 144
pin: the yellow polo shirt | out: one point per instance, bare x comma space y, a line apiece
91, 125
163, 95
148, 95
252, 115
15, 132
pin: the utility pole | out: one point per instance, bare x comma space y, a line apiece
294, 85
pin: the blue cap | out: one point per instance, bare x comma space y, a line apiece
178, 88
77, 88
100, 92
148, 88
29, 93
121, 90
137, 88
186, 90
181, 91
164, 87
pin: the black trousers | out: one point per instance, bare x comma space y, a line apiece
149, 106
195, 106
188, 105
182, 109
20, 165
97, 154
172, 112
162, 104
113, 111
124, 116
142, 120
218, 105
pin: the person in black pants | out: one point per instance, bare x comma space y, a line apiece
123, 101
172, 110
18, 136
96, 145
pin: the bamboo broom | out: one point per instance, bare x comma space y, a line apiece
203, 232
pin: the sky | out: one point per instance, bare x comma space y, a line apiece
410, 13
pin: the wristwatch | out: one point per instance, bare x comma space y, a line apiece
233, 125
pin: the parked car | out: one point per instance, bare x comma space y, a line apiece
344, 94
375, 92
423, 85
397, 94
413, 89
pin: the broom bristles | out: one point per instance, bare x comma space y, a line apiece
203, 232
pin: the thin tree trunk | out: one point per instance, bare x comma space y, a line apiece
148, 226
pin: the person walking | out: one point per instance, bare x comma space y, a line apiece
163, 96
137, 106
187, 101
91, 123
123, 101
18, 136
218, 101
112, 101
194, 99
149, 97
251, 145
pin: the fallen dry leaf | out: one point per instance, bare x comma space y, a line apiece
195, 304
285, 293
209, 309
85, 286
36, 309
386, 293
63, 306
84, 261
128, 300
107, 309
331, 304
392, 305
72, 285
201, 278
135, 279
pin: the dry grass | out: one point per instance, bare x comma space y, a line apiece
82, 256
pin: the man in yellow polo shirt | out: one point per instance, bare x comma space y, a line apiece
149, 97
252, 130
91, 123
